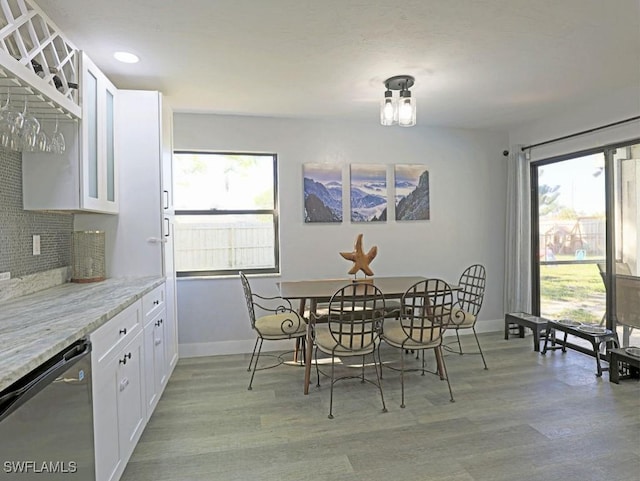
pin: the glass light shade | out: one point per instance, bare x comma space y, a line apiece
406, 112
388, 111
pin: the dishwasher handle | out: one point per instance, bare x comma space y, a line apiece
31, 384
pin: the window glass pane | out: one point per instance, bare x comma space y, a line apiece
111, 184
571, 206
91, 93
223, 181
223, 242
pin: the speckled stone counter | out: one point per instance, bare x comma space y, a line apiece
33, 328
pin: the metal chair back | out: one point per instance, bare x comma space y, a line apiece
355, 316
472, 285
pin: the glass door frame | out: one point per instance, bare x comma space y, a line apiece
610, 222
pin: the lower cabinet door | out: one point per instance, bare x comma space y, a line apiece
105, 422
155, 366
131, 396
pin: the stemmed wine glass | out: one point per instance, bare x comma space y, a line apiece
29, 131
57, 140
5, 124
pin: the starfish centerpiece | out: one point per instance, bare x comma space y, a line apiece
360, 260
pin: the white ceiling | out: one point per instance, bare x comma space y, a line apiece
477, 63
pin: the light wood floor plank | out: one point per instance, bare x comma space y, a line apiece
528, 418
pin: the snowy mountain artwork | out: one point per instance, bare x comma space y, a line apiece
322, 192
412, 192
368, 193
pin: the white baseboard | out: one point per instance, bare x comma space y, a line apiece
201, 349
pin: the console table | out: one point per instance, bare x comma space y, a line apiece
596, 340
537, 324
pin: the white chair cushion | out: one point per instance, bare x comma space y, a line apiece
280, 326
394, 335
327, 344
461, 319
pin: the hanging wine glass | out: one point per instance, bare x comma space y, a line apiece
43, 143
57, 140
30, 130
6, 127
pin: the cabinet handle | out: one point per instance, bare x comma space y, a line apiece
167, 232
124, 358
166, 199
123, 331
124, 383
156, 302
158, 322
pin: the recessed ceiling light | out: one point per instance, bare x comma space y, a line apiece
126, 57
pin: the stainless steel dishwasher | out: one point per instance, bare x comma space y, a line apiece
46, 421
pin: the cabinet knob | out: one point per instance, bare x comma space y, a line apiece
158, 322
156, 302
158, 342
124, 358
124, 383
123, 330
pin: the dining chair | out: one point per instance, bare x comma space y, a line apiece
470, 295
425, 314
278, 321
352, 329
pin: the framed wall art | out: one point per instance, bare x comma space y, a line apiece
368, 193
322, 192
411, 183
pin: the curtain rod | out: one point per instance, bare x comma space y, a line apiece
630, 119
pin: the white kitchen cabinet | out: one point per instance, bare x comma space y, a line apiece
85, 177
156, 368
155, 364
139, 240
119, 404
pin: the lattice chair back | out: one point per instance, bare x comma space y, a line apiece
248, 297
355, 317
426, 311
472, 285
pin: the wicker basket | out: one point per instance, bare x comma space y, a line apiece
88, 256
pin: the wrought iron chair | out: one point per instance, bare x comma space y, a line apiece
352, 328
465, 310
278, 322
425, 315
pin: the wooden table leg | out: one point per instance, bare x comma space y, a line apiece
296, 353
309, 346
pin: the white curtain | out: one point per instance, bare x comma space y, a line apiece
517, 285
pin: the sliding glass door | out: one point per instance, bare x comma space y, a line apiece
625, 283
571, 225
585, 218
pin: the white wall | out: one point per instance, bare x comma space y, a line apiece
468, 189
605, 110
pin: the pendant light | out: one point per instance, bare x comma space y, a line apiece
402, 111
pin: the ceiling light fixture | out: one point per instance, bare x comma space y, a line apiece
126, 57
403, 110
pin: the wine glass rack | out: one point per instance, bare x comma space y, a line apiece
37, 62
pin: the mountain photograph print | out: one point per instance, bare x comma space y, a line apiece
412, 192
322, 192
368, 193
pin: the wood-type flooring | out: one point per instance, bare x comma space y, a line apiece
528, 418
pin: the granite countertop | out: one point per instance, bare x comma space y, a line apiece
35, 327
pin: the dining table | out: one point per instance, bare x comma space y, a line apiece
321, 290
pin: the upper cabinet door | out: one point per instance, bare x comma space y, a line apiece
84, 178
99, 186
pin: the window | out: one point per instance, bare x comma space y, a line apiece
226, 213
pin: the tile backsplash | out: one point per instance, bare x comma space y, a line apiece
17, 227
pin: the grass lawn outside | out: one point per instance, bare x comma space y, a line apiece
572, 291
